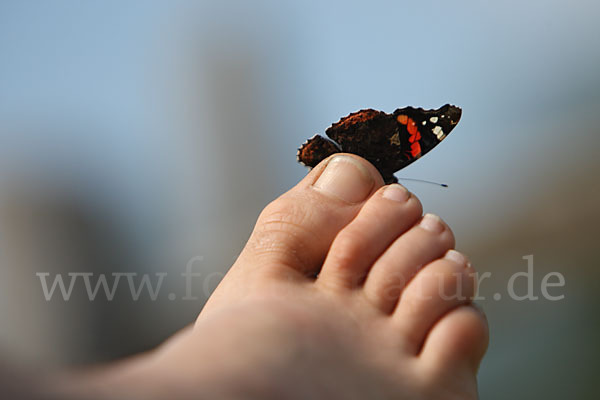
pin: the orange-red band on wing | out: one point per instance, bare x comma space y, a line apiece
415, 135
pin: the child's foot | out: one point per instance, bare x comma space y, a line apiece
343, 291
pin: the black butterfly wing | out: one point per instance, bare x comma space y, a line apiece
389, 141
369, 134
424, 129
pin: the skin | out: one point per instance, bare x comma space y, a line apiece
342, 292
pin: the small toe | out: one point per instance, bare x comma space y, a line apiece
439, 287
458, 340
386, 215
420, 245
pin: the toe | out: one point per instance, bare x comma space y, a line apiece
423, 243
295, 231
386, 215
439, 287
457, 341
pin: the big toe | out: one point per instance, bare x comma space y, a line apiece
295, 231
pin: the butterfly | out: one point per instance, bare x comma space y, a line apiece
389, 141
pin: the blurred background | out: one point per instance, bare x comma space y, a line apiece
144, 137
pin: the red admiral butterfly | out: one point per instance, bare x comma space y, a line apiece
389, 141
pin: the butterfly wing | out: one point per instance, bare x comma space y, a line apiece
369, 134
315, 150
423, 130
389, 141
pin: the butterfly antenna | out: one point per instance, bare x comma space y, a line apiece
424, 181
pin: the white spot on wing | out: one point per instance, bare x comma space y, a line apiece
424, 122
438, 132
433, 120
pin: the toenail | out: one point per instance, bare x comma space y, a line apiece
345, 178
432, 223
457, 257
396, 192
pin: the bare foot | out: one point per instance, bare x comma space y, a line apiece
344, 290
